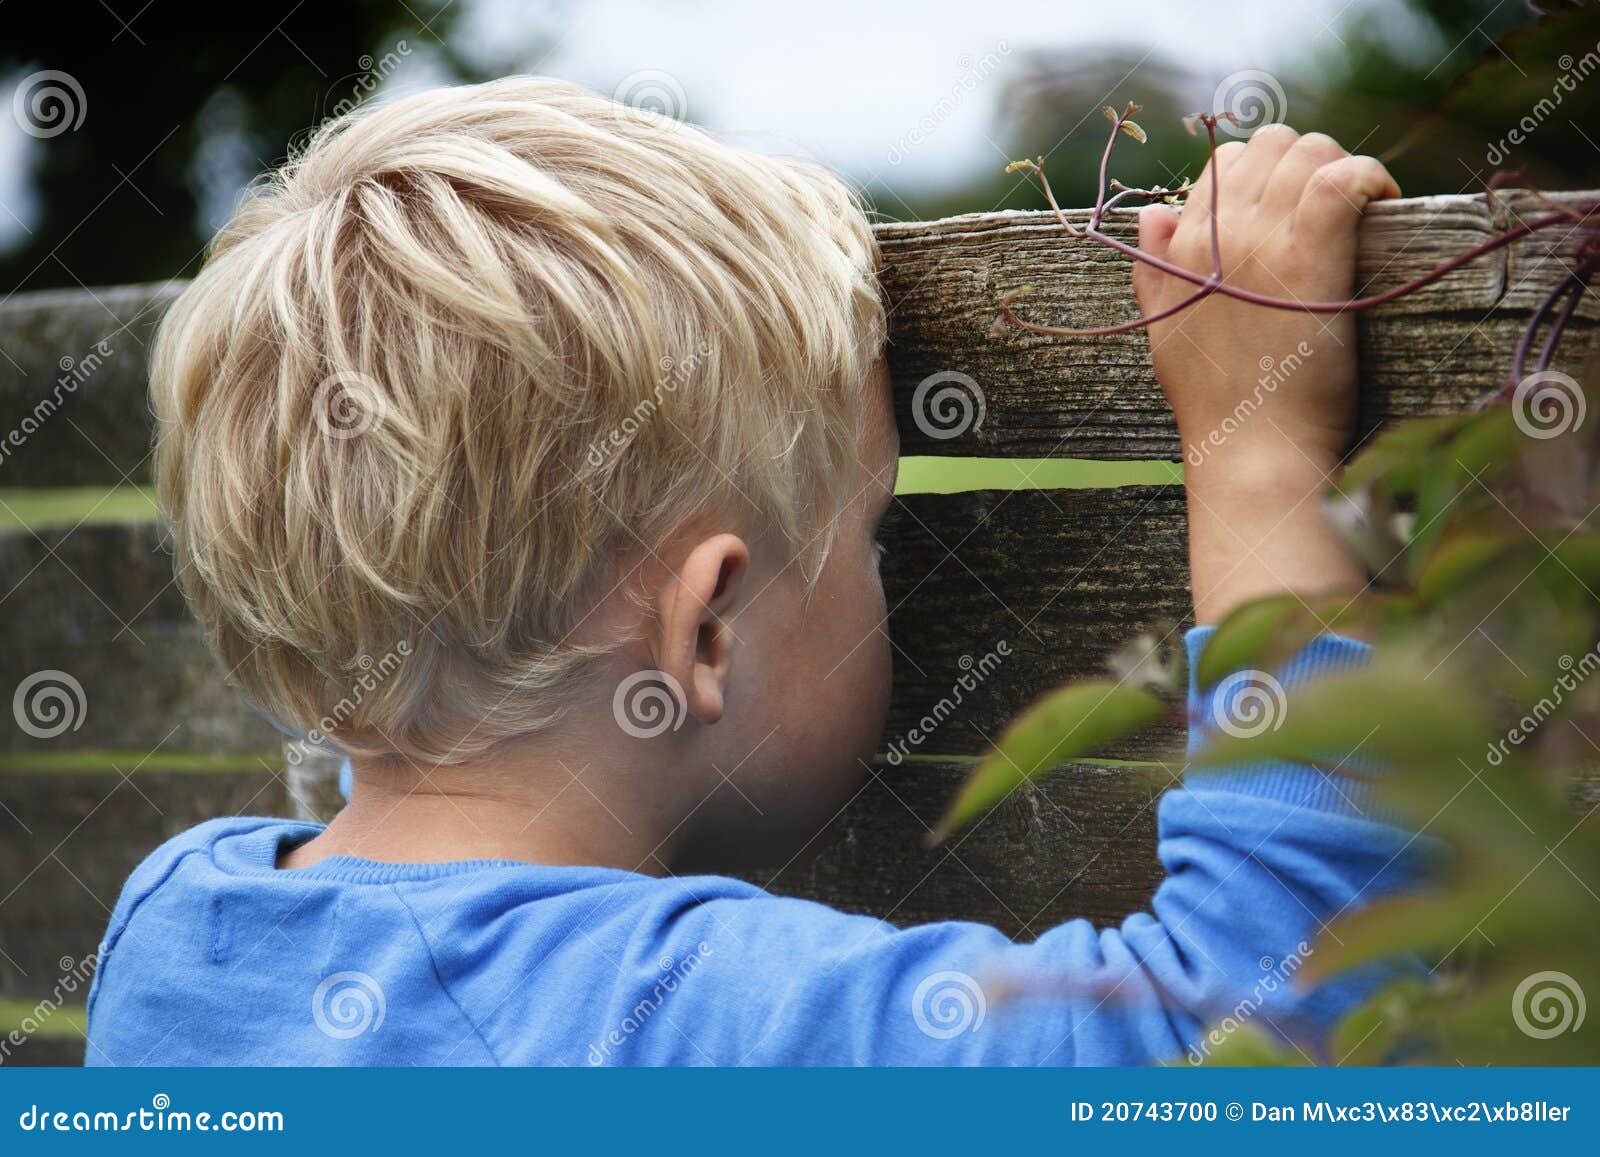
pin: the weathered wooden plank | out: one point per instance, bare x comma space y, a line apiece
73, 384
1432, 352
93, 618
71, 838
997, 595
88, 422
1081, 843
1011, 590
48, 1051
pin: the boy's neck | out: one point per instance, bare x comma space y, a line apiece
514, 805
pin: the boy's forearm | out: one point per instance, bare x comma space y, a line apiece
1256, 528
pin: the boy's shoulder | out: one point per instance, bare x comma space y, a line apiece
157, 867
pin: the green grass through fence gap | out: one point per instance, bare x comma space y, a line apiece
59, 508
928, 475
42, 1019
54, 508
95, 761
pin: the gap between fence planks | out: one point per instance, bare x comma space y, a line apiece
1044, 397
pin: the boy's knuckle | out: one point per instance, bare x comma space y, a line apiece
1333, 179
1276, 132
1227, 153
1369, 168
1320, 145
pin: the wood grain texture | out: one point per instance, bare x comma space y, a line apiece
74, 381
98, 605
1432, 352
1081, 843
71, 838
1060, 577
1044, 397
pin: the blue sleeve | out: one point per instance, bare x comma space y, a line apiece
1258, 860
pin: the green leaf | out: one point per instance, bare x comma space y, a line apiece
1370, 1034
1397, 457
1579, 555
1245, 633
1066, 724
1485, 444
1264, 633
1460, 558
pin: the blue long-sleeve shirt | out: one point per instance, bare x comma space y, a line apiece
216, 956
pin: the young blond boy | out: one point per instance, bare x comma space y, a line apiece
564, 405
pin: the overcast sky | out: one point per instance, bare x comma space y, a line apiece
849, 82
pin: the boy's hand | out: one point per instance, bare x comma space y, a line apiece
1265, 398
1288, 207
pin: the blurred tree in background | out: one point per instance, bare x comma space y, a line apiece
183, 107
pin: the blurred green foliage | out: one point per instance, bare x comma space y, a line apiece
1480, 712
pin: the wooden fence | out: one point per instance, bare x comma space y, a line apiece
1059, 576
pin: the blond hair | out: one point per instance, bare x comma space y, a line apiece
464, 352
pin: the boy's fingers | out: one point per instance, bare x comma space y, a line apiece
1157, 224
1223, 159
1269, 144
1343, 189
1289, 179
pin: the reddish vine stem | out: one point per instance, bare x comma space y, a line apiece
1558, 307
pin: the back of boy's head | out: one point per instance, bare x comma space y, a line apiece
459, 357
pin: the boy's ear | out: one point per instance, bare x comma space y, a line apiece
693, 644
